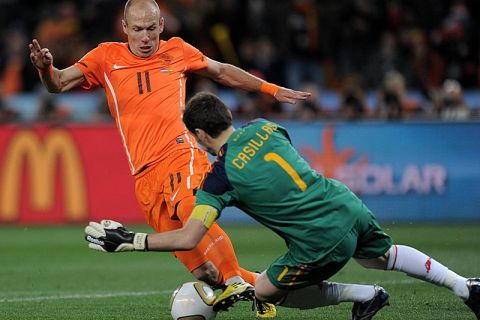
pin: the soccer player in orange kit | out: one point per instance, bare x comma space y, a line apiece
144, 80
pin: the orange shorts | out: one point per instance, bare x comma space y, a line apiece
160, 189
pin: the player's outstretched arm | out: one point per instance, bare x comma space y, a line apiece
53, 79
112, 236
232, 76
185, 238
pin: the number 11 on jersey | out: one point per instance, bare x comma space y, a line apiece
140, 82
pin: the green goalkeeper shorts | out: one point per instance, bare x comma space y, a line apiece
366, 240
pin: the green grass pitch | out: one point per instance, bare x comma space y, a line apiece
48, 273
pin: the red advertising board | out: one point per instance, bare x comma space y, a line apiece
55, 174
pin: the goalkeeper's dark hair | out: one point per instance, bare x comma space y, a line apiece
207, 112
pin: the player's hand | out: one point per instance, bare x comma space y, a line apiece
41, 57
111, 236
291, 96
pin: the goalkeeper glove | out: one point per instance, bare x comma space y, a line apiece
111, 236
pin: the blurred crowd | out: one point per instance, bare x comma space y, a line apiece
351, 47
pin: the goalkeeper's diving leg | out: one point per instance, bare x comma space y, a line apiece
367, 299
418, 265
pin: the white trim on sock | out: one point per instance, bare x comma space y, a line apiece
234, 279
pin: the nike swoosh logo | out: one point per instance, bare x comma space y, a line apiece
116, 66
174, 195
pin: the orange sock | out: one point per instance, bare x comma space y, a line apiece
222, 254
248, 276
219, 250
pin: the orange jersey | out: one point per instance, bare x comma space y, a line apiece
146, 96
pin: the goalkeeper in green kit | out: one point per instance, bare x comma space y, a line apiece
322, 222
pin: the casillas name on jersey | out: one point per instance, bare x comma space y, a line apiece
253, 145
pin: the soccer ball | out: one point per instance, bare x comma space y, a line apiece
193, 301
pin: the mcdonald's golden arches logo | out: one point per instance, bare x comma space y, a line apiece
41, 157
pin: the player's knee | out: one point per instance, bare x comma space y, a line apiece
265, 291
269, 297
375, 263
207, 273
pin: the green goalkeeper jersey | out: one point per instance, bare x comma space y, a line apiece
260, 172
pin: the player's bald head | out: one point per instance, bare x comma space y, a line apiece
141, 7
143, 25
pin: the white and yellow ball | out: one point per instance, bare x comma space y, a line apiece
193, 301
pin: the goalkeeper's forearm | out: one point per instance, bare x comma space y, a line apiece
112, 236
182, 239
